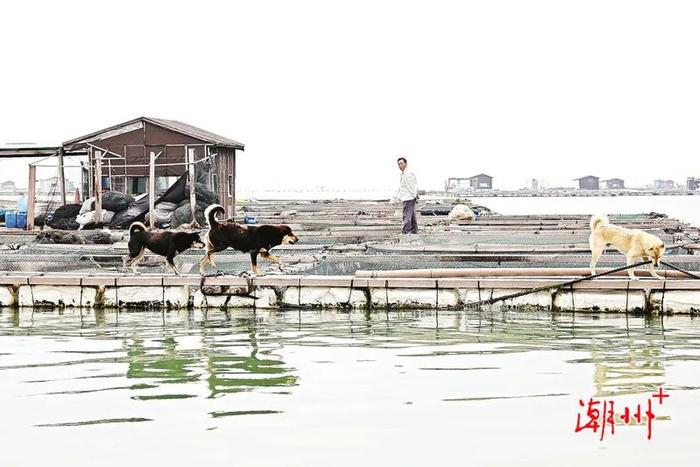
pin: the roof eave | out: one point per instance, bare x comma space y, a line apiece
28, 151
199, 137
103, 130
229, 146
81, 140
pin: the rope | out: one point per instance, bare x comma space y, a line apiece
386, 293
52, 196
31, 292
201, 290
559, 286
573, 302
352, 287
663, 295
437, 294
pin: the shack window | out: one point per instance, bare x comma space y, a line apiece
163, 183
230, 186
118, 183
137, 185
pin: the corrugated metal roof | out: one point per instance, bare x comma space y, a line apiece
173, 125
96, 135
195, 132
107, 132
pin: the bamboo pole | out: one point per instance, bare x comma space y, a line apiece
152, 190
31, 197
91, 173
499, 272
61, 177
98, 186
109, 174
233, 203
193, 182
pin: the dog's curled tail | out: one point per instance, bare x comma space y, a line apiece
599, 220
137, 227
211, 212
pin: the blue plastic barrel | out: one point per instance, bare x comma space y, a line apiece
21, 220
22, 204
11, 219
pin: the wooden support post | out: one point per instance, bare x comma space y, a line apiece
61, 177
152, 190
109, 174
233, 202
126, 174
98, 186
91, 174
193, 182
31, 197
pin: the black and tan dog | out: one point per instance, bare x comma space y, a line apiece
167, 244
247, 238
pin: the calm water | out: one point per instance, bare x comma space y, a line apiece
327, 388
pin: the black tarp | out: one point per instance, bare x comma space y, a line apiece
114, 201
138, 210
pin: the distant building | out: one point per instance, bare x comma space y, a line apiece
477, 182
8, 185
589, 182
456, 184
47, 185
614, 184
70, 186
693, 183
534, 186
481, 182
664, 184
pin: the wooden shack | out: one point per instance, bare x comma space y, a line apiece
142, 155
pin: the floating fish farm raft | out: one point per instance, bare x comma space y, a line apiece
351, 255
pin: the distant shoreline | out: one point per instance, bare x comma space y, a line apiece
383, 195
8, 200
567, 193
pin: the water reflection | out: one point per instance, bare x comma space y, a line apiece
227, 373
148, 357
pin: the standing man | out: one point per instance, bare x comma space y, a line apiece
408, 193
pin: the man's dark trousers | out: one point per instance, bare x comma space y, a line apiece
410, 225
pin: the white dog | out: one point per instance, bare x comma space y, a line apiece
632, 243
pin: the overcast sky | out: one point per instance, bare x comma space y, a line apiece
330, 93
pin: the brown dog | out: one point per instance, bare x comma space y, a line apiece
247, 238
167, 244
